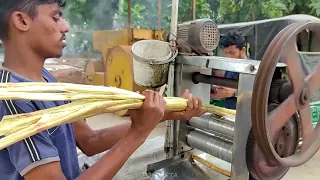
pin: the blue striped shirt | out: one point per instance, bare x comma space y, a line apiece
53, 145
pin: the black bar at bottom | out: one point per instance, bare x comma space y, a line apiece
207, 79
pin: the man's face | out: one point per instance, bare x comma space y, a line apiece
47, 33
234, 52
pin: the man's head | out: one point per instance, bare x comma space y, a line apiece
234, 45
36, 24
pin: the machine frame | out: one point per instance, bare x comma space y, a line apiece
182, 73
182, 78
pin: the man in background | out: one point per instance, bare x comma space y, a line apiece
234, 46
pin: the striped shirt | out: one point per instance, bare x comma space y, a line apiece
53, 145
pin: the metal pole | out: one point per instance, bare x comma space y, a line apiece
129, 23
172, 140
159, 18
174, 22
194, 3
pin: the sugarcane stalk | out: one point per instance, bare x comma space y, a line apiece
18, 117
88, 101
216, 109
61, 96
12, 123
8, 127
210, 165
39, 87
56, 119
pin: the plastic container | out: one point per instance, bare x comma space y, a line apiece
151, 59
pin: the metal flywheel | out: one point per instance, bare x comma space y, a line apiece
285, 142
269, 127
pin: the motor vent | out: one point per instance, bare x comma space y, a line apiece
201, 35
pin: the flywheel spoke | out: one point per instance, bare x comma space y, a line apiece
306, 128
305, 114
313, 80
294, 67
281, 115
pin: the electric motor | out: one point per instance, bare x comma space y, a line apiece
201, 35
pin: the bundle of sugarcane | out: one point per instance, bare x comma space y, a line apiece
86, 101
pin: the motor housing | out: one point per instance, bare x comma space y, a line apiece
201, 35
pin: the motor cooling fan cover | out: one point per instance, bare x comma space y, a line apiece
202, 35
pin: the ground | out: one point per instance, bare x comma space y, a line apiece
68, 71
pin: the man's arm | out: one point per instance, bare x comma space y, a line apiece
93, 142
224, 93
110, 163
106, 168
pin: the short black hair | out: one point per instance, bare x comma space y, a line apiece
7, 7
233, 38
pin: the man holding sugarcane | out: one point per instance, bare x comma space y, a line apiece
32, 31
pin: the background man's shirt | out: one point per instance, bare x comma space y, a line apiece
231, 102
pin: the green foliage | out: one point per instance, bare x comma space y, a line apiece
315, 7
232, 11
144, 13
112, 14
108, 14
86, 16
91, 14
138, 18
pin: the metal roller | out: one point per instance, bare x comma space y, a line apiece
212, 125
210, 144
229, 118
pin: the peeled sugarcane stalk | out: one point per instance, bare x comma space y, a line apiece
89, 101
210, 165
51, 120
12, 123
38, 87
220, 109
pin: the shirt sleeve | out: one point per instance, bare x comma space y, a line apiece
33, 151
236, 76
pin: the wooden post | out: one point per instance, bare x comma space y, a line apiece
159, 18
129, 23
194, 3
172, 140
174, 22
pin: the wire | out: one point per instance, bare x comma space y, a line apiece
193, 48
186, 151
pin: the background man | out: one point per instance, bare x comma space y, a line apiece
234, 46
33, 31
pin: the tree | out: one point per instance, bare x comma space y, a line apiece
90, 15
144, 13
232, 11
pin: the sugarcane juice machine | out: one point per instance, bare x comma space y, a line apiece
272, 129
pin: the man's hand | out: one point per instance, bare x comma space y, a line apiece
145, 119
194, 108
225, 92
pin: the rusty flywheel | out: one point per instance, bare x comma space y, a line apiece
285, 143
266, 126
